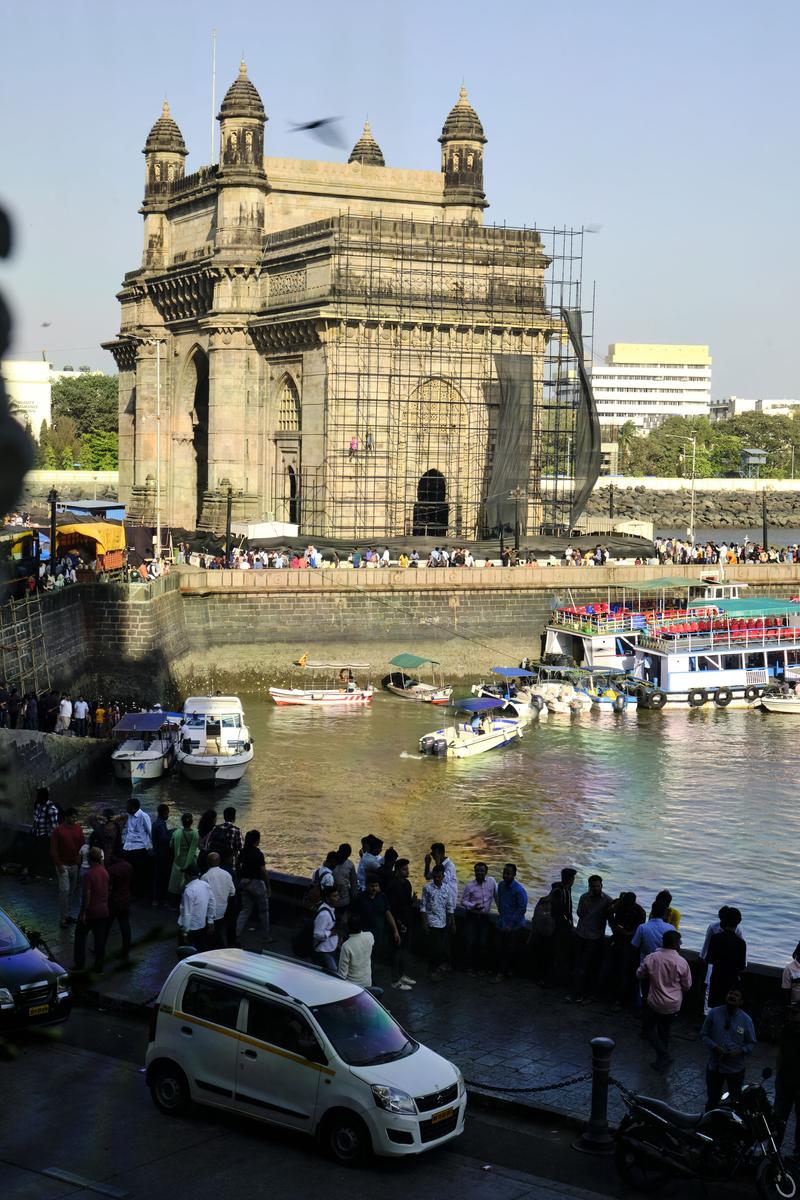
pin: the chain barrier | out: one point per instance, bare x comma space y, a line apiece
624, 1091
542, 1087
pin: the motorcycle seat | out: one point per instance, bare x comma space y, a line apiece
682, 1120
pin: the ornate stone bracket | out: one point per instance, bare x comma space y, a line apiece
289, 335
183, 295
124, 353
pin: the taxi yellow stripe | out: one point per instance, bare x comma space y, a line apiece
248, 1041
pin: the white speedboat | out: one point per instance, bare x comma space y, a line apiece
779, 700
409, 687
328, 684
144, 746
214, 744
478, 725
516, 693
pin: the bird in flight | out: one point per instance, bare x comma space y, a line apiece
324, 129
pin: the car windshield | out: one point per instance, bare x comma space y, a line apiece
12, 940
362, 1032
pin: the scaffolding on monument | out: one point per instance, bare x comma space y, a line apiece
23, 649
423, 317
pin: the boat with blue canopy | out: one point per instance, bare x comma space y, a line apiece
411, 687
515, 689
144, 745
477, 725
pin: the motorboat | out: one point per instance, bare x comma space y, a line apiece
478, 725
607, 690
214, 744
144, 745
328, 684
516, 691
409, 687
779, 699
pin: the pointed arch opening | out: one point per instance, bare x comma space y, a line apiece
431, 510
200, 431
289, 416
293, 497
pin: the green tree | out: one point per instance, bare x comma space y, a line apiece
49, 458
88, 400
100, 452
65, 460
64, 437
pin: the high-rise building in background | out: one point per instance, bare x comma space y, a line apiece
646, 383
734, 406
29, 389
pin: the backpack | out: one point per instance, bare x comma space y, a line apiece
543, 922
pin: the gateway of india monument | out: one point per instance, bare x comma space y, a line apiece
346, 346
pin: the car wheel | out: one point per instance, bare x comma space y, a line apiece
169, 1090
347, 1139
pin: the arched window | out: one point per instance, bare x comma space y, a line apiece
288, 406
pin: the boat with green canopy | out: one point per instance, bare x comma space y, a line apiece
409, 686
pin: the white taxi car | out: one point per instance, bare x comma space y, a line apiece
282, 1041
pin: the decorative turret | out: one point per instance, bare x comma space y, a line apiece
241, 128
164, 152
367, 150
462, 143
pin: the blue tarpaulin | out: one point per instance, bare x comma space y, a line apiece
481, 704
512, 672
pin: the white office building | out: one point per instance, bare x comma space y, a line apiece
646, 383
28, 385
734, 406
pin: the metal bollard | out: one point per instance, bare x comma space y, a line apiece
597, 1138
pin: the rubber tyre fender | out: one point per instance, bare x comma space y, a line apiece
772, 1185
169, 1089
752, 693
656, 699
697, 697
723, 697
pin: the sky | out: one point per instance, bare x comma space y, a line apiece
670, 130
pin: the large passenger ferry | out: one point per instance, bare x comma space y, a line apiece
713, 648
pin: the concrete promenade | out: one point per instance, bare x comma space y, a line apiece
505, 1036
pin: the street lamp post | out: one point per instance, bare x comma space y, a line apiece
52, 500
516, 495
228, 516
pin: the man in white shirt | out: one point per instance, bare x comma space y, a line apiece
80, 713
64, 718
325, 936
355, 956
137, 845
197, 912
371, 859
223, 890
439, 858
436, 909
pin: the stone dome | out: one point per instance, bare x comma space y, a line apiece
242, 99
165, 135
462, 122
367, 150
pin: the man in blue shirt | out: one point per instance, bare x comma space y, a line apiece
512, 901
729, 1036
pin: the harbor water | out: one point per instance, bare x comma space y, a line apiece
701, 802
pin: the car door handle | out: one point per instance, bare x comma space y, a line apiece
250, 1054
187, 1030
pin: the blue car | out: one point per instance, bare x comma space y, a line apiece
34, 990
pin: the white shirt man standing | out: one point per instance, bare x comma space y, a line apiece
197, 911
223, 890
64, 719
355, 956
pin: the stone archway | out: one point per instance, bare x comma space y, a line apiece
293, 496
190, 441
431, 510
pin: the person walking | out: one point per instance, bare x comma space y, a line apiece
197, 912
45, 819
93, 915
137, 846
161, 835
184, 852
355, 956
120, 876
436, 909
477, 901
325, 940
590, 940
224, 889
254, 888
65, 850
729, 1036
512, 902
669, 979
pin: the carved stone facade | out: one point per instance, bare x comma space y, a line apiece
322, 337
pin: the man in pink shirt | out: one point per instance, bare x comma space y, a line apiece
670, 980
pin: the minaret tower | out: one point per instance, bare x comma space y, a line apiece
462, 143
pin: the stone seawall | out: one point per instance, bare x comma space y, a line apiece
29, 759
225, 628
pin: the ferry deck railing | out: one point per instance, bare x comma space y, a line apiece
775, 638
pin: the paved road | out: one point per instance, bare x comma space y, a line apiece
81, 1107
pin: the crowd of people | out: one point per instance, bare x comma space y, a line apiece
67, 713
363, 920
683, 553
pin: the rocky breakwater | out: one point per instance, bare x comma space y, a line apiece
713, 509
29, 759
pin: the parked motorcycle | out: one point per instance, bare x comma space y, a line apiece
656, 1143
